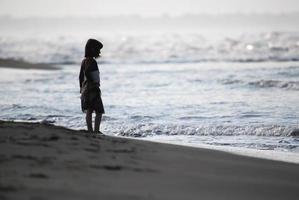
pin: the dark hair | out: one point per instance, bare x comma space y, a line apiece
92, 48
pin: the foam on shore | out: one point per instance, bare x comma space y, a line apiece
284, 156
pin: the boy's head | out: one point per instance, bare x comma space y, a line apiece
93, 48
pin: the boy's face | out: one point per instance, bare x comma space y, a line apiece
99, 54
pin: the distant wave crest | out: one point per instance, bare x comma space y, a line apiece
290, 85
280, 84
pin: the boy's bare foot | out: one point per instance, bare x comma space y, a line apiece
98, 133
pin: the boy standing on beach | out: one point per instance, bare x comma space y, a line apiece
89, 79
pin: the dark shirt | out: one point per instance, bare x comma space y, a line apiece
89, 68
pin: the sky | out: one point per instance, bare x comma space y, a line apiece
145, 8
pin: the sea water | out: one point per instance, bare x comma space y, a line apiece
236, 92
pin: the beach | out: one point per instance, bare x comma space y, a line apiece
41, 161
195, 108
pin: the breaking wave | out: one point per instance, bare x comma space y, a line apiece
144, 130
289, 85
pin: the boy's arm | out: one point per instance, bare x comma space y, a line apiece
81, 76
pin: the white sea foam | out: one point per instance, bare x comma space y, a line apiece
291, 157
144, 130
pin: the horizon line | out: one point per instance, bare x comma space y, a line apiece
165, 15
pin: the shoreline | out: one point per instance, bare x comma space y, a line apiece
46, 161
283, 156
21, 64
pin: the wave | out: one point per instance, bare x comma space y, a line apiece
144, 130
289, 85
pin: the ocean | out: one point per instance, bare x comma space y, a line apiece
233, 89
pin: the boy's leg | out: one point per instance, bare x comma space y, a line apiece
89, 120
97, 122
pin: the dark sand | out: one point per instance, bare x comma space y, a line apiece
40, 161
20, 64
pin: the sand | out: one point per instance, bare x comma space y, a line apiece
20, 64
39, 161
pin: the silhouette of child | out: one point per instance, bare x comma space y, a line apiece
89, 79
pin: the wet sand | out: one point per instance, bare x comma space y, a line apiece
20, 64
39, 161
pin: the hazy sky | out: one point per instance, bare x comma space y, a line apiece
59, 8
